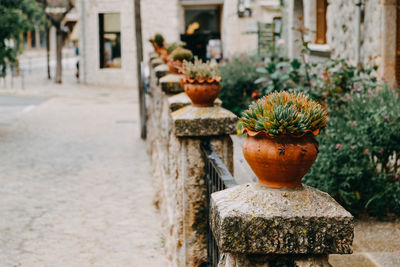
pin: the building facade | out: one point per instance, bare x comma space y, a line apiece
361, 31
108, 44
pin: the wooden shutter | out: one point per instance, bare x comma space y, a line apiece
398, 43
321, 21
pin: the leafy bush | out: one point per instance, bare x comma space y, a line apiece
238, 89
359, 157
284, 113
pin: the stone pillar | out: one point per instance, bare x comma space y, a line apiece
187, 187
175, 131
258, 226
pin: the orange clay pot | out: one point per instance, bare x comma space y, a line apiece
165, 56
282, 161
175, 66
202, 93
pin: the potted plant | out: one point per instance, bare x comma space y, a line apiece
201, 82
177, 57
159, 44
280, 146
170, 48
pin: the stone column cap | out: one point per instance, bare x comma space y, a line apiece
156, 62
171, 84
203, 121
153, 55
254, 219
181, 100
161, 70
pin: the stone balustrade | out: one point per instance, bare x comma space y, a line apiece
175, 131
253, 225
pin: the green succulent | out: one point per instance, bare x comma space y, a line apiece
175, 45
284, 113
159, 39
200, 70
181, 54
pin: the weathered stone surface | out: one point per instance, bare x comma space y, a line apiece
209, 121
161, 70
181, 100
254, 219
170, 83
178, 166
156, 62
153, 55
258, 260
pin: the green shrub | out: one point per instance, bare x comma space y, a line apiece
181, 54
175, 45
359, 157
159, 39
237, 85
284, 113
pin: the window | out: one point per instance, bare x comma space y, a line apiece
110, 40
321, 21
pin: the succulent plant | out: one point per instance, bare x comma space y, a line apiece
159, 40
200, 70
181, 54
175, 45
284, 113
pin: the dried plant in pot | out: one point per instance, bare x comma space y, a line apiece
177, 57
201, 82
280, 146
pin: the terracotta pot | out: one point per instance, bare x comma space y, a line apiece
202, 93
175, 66
164, 56
282, 161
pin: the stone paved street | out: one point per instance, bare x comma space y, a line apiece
76, 188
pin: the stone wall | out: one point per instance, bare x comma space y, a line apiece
175, 130
377, 31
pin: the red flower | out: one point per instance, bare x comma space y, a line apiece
338, 146
255, 95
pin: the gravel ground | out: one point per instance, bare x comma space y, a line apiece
76, 187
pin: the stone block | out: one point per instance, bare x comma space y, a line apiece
254, 219
170, 83
199, 121
156, 62
161, 70
153, 55
182, 100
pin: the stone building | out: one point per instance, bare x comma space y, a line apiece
107, 39
362, 31
107, 42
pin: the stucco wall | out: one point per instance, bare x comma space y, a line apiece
124, 76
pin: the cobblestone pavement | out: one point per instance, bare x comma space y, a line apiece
76, 188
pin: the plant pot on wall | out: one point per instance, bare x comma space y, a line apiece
201, 83
175, 66
202, 93
280, 146
280, 161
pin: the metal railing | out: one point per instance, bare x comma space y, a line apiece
218, 178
